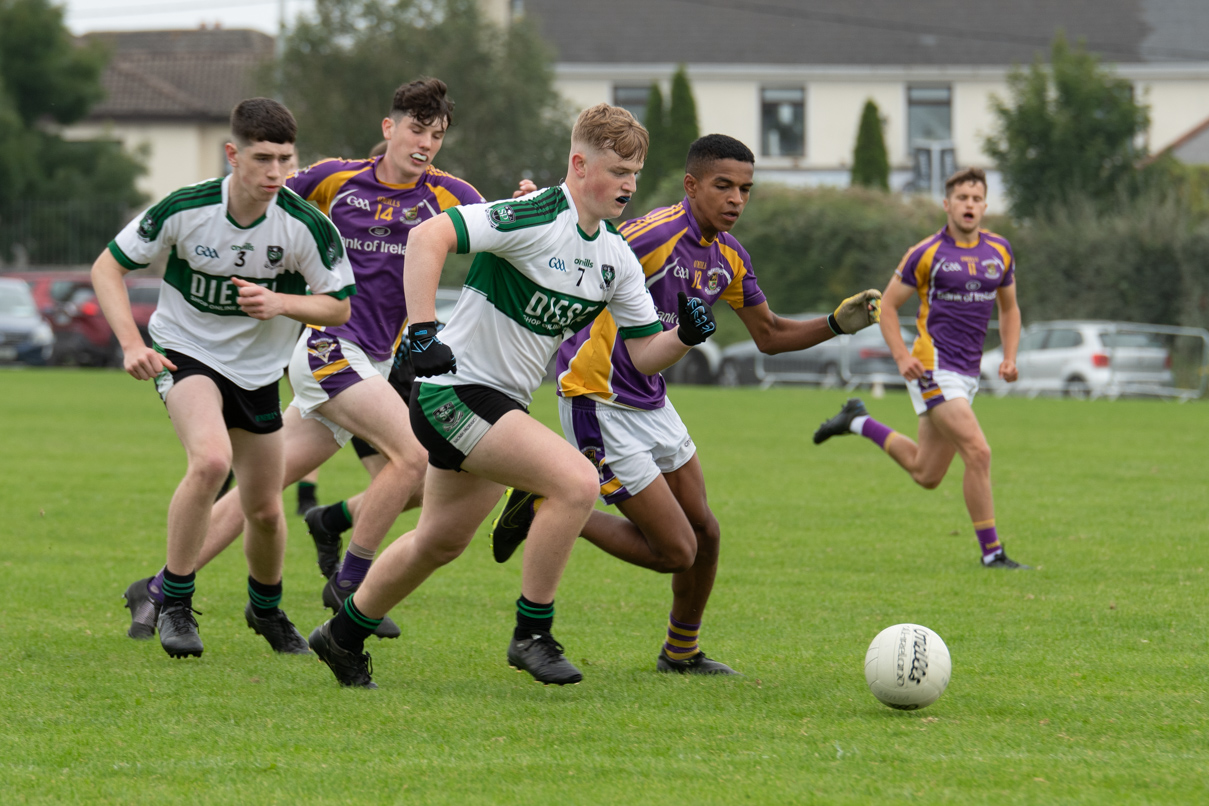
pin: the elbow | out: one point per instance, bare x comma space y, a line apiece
345, 311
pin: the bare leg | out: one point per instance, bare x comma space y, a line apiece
259, 467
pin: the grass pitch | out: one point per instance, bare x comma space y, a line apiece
1081, 682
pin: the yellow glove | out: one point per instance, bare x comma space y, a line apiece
857, 312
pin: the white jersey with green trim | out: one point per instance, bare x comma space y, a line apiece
536, 279
291, 247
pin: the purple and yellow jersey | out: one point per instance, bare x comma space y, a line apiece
957, 285
374, 219
675, 257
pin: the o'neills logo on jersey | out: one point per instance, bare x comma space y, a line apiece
500, 214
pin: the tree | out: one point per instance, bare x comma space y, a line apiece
1070, 130
870, 165
681, 122
341, 65
48, 78
655, 168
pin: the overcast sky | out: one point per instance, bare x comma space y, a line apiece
127, 15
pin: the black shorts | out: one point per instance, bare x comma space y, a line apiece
400, 378
450, 420
257, 411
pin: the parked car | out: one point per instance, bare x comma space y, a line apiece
863, 357
24, 335
82, 334
1084, 359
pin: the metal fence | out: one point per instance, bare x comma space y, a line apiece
54, 233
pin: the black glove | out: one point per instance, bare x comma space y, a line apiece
696, 321
429, 355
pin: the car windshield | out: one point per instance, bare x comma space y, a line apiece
15, 300
1121, 339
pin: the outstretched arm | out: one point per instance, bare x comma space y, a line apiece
777, 334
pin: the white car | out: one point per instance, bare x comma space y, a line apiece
1083, 358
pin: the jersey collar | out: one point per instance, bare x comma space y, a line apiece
944, 233
407, 186
693, 227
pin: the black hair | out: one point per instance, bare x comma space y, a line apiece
707, 150
258, 120
425, 99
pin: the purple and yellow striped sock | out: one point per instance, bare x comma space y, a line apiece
681, 641
988, 538
881, 434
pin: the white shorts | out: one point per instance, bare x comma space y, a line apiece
321, 367
630, 447
939, 385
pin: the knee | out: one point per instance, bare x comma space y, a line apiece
978, 458
580, 487
709, 540
678, 558
442, 552
264, 517
928, 481
210, 468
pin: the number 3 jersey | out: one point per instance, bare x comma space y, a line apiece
957, 284
675, 257
292, 246
374, 219
537, 278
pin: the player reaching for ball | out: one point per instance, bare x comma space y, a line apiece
961, 274
622, 420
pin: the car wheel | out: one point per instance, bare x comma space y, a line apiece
831, 377
728, 375
1077, 388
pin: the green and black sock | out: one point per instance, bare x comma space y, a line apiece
336, 518
178, 588
351, 627
532, 617
265, 598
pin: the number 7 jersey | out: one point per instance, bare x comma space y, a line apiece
537, 278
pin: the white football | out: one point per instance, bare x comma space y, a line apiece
907, 666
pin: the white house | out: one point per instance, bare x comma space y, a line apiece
790, 77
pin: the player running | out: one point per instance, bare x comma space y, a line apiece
339, 373
243, 251
547, 264
622, 420
960, 274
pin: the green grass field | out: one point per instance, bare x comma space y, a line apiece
1081, 682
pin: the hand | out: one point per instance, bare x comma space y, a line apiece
1007, 371
857, 312
429, 355
257, 301
910, 367
144, 363
696, 320
525, 187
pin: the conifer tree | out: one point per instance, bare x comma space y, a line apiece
870, 166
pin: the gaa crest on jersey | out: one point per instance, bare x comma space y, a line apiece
322, 348
608, 274
275, 255
501, 214
448, 415
714, 284
992, 267
596, 456
146, 228
412, 215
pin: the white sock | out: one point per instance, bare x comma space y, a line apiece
857, 424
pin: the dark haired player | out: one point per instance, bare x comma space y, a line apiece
339, 373
622, 419
243, 251
961, 274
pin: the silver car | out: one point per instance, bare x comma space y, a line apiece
861, 358
1084, 358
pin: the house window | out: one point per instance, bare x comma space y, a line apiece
783, 122
633, 99
929, 113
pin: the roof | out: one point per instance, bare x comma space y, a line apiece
179, 75
867, 32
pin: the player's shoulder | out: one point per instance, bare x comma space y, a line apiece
538, 209
325, 168
656, 223
189, 197
302, 212
927, 243
995, 238
466, 192
728, 242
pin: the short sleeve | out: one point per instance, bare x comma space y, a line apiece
325, 268
743, 291
632, 306
508, 223
906, 267
142, 240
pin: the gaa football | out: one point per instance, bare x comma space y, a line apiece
907, 666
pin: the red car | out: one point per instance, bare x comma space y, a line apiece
82, 335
